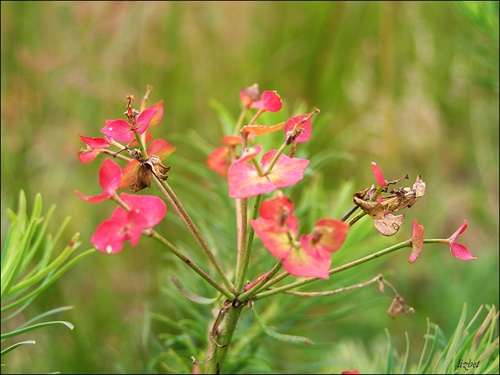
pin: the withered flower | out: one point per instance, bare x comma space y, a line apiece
148, 167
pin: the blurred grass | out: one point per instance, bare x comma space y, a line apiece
411, 85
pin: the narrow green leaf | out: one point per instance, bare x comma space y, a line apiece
35, 326
191, 296
12, 347
280, 336
47, 282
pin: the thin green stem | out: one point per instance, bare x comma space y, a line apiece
192, 265
222, 333
141, 145
183, 214
259, 285
309, 280
275, 159
239, 122
241, 218
248, 251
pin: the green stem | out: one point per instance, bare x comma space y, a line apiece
275, 159
239, 122
251, 234
181, 211
309, 280
241, 218
192, 265
259, 285
222, 333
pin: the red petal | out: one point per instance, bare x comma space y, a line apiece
287, 171
110, 176
160, 148
276, 241
93, 199
95, 142
278, 209
244, 181
377, 172
158, 116
118, 130
86, 156
129, 173
459, 231
272, 101
151, 207
332, 234
461, 252
109, 237
144, 119
301, 263
306, 127
417, 241
219, 160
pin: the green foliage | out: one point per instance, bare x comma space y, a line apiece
410, 85
473, 348
28, 268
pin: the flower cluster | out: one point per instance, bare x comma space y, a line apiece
277, 228
135, 215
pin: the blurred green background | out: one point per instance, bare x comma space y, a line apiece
410, 85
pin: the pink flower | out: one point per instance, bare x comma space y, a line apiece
145, 212
276, 225
417, 241
244, 179
277, 228
377, 172
315, 258
298, 130
457, 249
94, 147
110, 176
269, 101
121, 131
355, 371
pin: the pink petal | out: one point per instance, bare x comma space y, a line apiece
417, 241
118, 130
158, 116
144, 119
151, 207
219, 161
459, 231
287, 171
244, 181
330, 234
461, 252
110, 176
86, 156
95, 142
306, 127
129, 173
160, 148
93, 199
377, 172
278, 209
273, 239
301, 263
270, 101
109, 237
